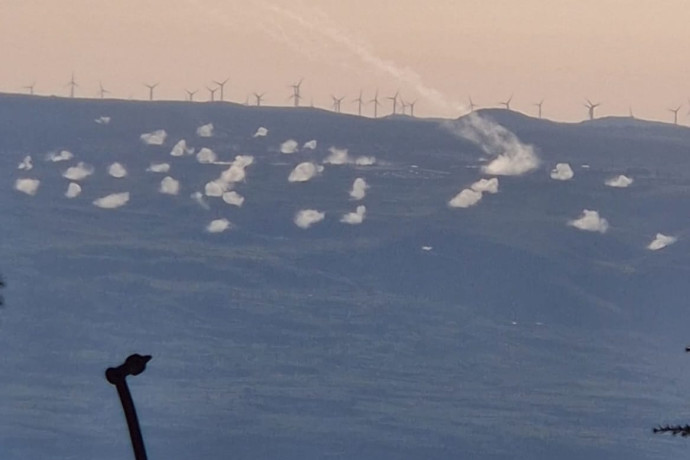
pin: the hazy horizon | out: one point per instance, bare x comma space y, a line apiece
626, 55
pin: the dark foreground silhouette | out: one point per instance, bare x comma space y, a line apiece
134, 365
683, 430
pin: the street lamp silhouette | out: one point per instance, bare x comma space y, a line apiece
134, 365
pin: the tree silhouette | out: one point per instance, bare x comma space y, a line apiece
683, 430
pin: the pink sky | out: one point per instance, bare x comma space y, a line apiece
623, 53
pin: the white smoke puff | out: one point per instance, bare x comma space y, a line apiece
427, 248
359, 189
310, 145
289, 146
102, 120
158, 167
243, 161
199, 198
590, 221
62, 155
365, 161
562, 171
205, 130
486, 185
465, 199
154, 138
233, 198
512, 157
73, 190
112, 201
28, 186
26, 164
661, 241
304, 172
233, 174
169, 186
181, 149
117, 170
354, 218
206, 156
619, 181
218, 226
260, 132
79, 172
305, 218
215, 188
337, 157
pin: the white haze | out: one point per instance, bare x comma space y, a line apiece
365, 161
117, 170
169, 186
354, 218
158, 167
465, 199
486, 185
619, 181
205, 130
62, 155
233, 198
206, 156
359, 189
112, 201
309, 145
218, 226
562, 171
26, 164
510, 156
73, 190
289, 146
661, 241
260, 132
28, 186
79, 172
305, 218
181, 149
590, 221
304, 172
154, 138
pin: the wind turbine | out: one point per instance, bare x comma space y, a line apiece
151, 88
376, 102
359, 102
30, 88
212, 92
471, 104
675, 114
72, 84
411, 106
221, 85
394, 98
539, 104
630, 113
296, 94
590, 108
336, 103
190, 94
101, 90
506, 103
259, 97
404, 105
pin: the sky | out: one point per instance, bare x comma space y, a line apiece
626, 54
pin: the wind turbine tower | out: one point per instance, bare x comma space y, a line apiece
506, 103
212, 93
590, 108
394, 98
101, 90
30, 88
359, 102
151, 88
190, 94
471, 104
675, 114
539, 104
376, 102
72, 84
296, 92
259, 98
336, 103
221, 85
411, 106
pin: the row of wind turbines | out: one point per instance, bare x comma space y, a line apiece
407, 107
